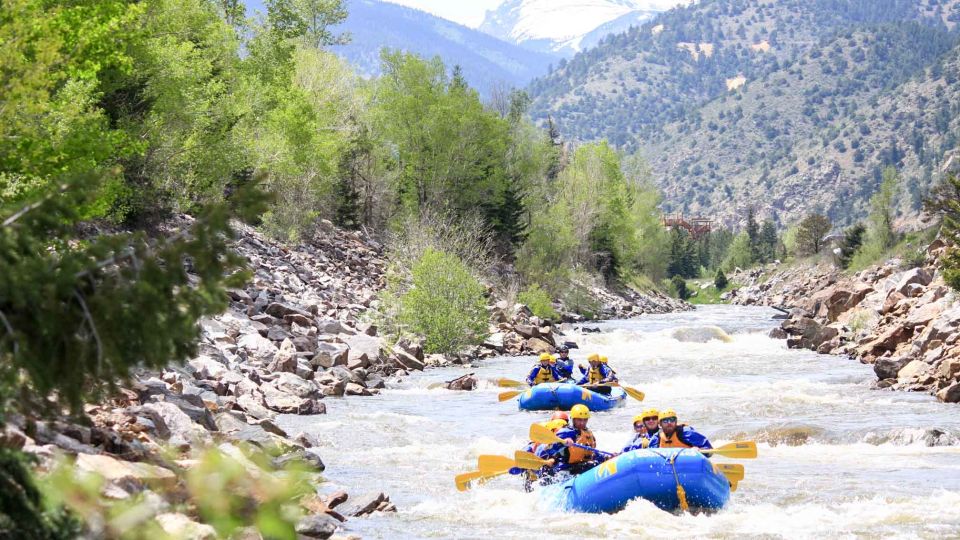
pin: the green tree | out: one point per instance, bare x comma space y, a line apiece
720, 280
739, 254
684, 259
810, 233
852, 240
753, 233
768, 241
680, 287
445, 303
944, 202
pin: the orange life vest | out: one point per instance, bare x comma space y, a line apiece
594, 376
544, 375
578, 455
673, 441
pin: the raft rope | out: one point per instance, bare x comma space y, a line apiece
681, 493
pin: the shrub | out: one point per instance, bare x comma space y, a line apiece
539, 302
680, 287
445, 303
720, 280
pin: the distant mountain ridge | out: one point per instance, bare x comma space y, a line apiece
566, 26
486, 61
732, 99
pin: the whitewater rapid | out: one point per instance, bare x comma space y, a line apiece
837, 458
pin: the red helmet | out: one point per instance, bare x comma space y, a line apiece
560, 415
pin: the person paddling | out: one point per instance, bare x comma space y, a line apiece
645, 426
567, 457
674, 435
564, 362
544, 372
598, 373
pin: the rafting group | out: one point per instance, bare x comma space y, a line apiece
664, 461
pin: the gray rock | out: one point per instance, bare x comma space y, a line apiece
920, 276
950, 394
309, 456
354, 389
330, 354
280, 310
183, 430
254, 406
329, 326
293, 384
317, 526
375, 381
888, 368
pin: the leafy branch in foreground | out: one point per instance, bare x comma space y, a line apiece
76, 314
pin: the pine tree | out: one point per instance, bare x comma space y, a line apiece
810, 234
768, 241
852, 240
753, 233
720, 280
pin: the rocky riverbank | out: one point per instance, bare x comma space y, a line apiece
297, 334
903, 321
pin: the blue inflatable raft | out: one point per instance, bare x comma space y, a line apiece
646, 474
563, 396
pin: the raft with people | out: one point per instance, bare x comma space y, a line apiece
666, 462
650, 474
563, 396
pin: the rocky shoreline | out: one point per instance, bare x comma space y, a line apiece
297, 334
903, 321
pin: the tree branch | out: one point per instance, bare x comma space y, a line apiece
93, 328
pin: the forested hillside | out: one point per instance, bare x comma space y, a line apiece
725, 98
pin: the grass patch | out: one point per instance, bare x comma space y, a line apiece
710, 295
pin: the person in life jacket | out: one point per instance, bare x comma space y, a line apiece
598, 373
557, 422
567, 457
645, 426
674, 435
544, 372
564, 362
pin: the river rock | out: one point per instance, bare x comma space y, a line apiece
950, 394
364, 504
920, 276
182, 527
923, 314
183, 430
286, 358
949, 369
330, 354
206, 367
888, 368
407, 361
253, 405
495, 342
124, 472
913, 370
538, 346
281, 310
290, 383
467, 382
234, 424
888, 341
258, 347
317, 526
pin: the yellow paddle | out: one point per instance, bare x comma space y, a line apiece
510, 383
464, 480
544, 435
732, 471
739, 449
632, 392
527, 460
504, 396
489, 463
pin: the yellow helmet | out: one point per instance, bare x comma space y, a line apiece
546, 356
638, 418
647, 413
668, 413
554, 425
593, 358
603, 359
579, 411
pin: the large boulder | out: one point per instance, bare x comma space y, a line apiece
888, 368
293, 384
364, 349
888, 340
809, 334
950, 394
538, 345
407, 361
207, 367
183, 430
317, 526
330, 354
924, 314
913, 370
184, 528
114, 470
949, 369
257, 347
286, 358
919, 276
281, 310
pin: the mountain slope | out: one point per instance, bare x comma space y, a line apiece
732, 99
566, 26
816, 134
486, 61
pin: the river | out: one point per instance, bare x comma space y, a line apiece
837, 458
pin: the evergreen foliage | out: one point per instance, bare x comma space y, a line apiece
810, 233
22, 512
680, 287
944, 202
852, 240
720, 280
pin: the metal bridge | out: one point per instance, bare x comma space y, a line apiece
697, 226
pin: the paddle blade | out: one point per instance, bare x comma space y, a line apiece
526, 460
732, 471
733, 486
510, 383
489, 464
505, 396
463, 480
739, 449
543, 435
633, 392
